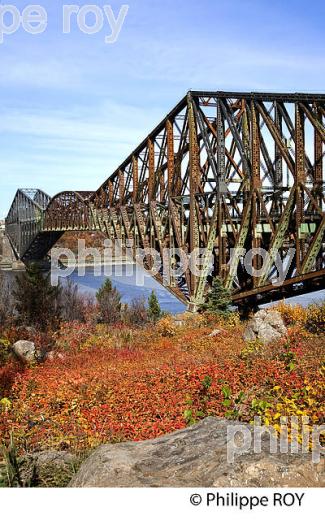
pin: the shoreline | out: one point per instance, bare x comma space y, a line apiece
77, 265
118, 261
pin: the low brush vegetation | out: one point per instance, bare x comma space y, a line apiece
129, 372
117, 382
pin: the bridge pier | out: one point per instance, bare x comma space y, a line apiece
8, 260
17, 265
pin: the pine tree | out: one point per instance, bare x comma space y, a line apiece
219, 299
154, 310
36, 300
109, 303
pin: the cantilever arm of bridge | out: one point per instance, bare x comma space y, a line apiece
223, 171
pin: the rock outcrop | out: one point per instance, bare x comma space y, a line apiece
195, 456
266, 326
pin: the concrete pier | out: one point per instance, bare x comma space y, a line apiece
8, 261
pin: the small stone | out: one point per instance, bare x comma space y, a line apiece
52, 355
214, 333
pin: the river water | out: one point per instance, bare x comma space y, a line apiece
133, 282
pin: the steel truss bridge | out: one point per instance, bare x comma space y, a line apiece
222, 171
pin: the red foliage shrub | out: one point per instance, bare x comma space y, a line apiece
8, 374
113, 384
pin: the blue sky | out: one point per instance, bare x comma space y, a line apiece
72, 107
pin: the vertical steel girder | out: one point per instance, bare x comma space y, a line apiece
225, 172
25, 219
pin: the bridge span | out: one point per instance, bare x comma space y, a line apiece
223, 171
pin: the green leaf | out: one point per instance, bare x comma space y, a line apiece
207, 381
226, 391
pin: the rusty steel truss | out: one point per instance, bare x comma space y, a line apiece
224, 171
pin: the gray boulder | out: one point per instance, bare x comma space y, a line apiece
41, 469
25, 351
195, 456
48, 469
267, 326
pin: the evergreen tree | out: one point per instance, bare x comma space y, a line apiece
219, 299
154, 310
109, 303
36, 301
